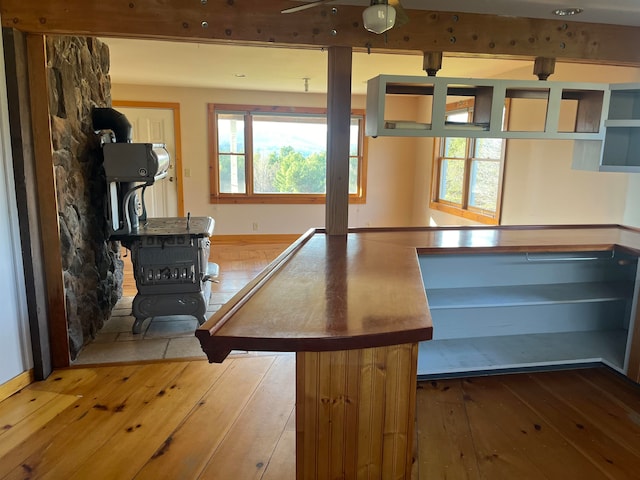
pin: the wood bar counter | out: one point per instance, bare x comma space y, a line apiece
354, 309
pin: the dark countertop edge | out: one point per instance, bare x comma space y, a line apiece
491, 227
524, 248
224, 345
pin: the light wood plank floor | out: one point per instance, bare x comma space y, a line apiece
194, 420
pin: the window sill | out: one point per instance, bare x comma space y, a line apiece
279, 199
468, 214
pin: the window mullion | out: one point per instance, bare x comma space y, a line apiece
214, 149
360, 156
248, 153
466, 182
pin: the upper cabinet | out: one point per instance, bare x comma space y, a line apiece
603, 119
584, 101
621, 146
619, 151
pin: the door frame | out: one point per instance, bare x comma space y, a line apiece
175, 107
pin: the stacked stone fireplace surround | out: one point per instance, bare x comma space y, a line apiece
78, 74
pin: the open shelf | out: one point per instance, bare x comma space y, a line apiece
478, 354
585, 100
622, 123
606, 123
519, 295
619, 150
505, 311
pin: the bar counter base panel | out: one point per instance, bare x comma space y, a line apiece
355, 413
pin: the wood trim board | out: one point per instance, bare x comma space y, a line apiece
16, 384
45, 180
454, 32
24, 163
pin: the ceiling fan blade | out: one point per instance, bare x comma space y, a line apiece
401, 13
305, 6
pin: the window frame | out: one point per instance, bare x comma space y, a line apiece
465, 210
273, 198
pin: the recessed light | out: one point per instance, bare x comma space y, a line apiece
563, 12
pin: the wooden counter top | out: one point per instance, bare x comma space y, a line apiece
328, 293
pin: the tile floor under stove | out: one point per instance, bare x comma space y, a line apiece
173, 336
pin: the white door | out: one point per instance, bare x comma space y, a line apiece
155, 125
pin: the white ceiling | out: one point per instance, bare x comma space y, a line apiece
150, 62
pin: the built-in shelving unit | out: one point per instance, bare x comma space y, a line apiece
621, 146
514, 311
606, 126
619, 151
587, 101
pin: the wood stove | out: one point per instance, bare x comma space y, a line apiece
170, 255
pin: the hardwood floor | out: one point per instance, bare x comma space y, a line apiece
194, 420
580, 424
187, 419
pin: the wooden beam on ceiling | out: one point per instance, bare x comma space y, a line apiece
260, 21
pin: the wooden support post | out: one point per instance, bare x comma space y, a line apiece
355, 413
339, 126
432, 62
24, 165
45, 180
543, 67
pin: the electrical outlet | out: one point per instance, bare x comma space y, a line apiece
187, 172
254, 226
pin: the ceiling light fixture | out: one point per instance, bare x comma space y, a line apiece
563, 12
379, 17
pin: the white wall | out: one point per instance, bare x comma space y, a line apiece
539, 187
390, 166
15, 345
632, 204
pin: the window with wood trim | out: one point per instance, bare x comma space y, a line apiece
261, 154
467, 173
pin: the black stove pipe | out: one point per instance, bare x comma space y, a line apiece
110, 119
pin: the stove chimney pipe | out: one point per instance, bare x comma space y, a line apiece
110, 119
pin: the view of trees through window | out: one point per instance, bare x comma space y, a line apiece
469, 170
287, 153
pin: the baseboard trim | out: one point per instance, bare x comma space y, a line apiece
16, 383
253, 239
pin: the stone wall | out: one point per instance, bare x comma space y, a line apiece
78, 70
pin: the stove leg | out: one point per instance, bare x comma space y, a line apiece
137, 326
